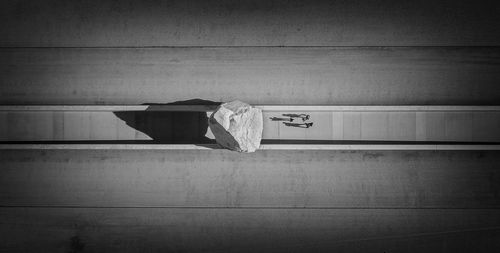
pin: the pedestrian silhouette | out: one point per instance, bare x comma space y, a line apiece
281, 119
301, 125
304, 117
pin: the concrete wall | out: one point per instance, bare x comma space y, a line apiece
263, 52
269, 201
262, 75
108, 23
275, 52
394, 123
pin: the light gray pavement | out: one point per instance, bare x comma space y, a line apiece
267, 178
331, 123
256, 75
279, 201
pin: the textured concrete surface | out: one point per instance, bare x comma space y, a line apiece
308, 76
263, 52
248, 230
267, 178
109, 23
91, 123
268, 201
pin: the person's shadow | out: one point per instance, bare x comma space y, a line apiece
165, 124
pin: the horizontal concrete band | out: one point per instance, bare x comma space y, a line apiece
259, 76
254, 23
202, 108
262, 147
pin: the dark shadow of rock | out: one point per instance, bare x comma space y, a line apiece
181, 126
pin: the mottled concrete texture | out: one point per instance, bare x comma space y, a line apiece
309, 76
282, 52
267, 201
109, 23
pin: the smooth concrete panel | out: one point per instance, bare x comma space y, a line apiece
58, 126
402, 126
77, 125
374, 125
107, 23
4, 134
458, 126
486, 126
192, 127
265, 179
431, 126
248, 230
421, 126
257, 75
337, 125
352, 125
103, 126
27, 126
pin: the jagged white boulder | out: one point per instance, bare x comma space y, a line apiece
237, 126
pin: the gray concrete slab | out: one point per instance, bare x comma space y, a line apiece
257, 75
330, 123
247, 230
153, 177
51, 23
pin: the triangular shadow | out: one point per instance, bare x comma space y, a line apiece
172, 127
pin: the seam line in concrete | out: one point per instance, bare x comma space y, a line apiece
262, 147
317, 108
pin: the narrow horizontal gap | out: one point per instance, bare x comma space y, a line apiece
265, 108
262, 147
265, 143
251, 207
267, 46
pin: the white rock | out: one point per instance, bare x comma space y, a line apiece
237, 126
